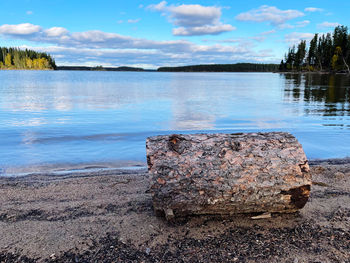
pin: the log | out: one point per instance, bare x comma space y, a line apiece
225, 174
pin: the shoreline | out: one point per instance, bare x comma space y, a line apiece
68, 168
108, 167
107, 216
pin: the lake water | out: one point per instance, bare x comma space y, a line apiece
73, 117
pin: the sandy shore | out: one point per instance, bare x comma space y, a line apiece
107, 216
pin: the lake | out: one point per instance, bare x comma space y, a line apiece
55, 118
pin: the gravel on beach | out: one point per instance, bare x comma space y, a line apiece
107, 216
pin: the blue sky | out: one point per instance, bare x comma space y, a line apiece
165, 33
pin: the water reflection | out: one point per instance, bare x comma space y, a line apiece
59, 117
323, 94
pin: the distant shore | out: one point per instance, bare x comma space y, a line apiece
238, 67
100, 68
205, 68
201, 69
106, 216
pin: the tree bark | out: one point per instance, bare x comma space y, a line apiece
346, 64
227, 173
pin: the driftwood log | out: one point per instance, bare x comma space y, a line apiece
227, 173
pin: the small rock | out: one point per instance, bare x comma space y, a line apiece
169, 214
339, 175
161, 181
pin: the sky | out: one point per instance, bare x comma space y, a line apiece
151, 34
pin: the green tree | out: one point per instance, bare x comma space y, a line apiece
325, 52
14, 58
290, 58
340, 44
340, 37
300, 54
282, 66
8, 60
311, 56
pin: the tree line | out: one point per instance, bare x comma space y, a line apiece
100, 68
239, 67
330, 52
15, 58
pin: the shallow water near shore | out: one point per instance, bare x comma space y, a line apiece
61, 118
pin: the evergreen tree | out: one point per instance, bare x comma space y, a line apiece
325, 52
340, 37
300, 54
311, 56
282, 66
290, 58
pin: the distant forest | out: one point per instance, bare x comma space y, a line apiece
239, 67
330, 52
15, 58
100, 68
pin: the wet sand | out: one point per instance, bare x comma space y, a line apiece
107, 216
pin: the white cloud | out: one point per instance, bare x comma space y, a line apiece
20, 29
270, 14
95, 36
231, 40
302, 23
193, 19
29, 12
296, 37
92, 39
133, 21
247, 42
202, 30
268, 32
328, 24
158, 7
297, 24
56, 31
199, 54
262, 36
313, 9
194, 15
72, 48
285, 26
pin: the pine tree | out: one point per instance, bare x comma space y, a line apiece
326, 52
300, 54
311, 57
